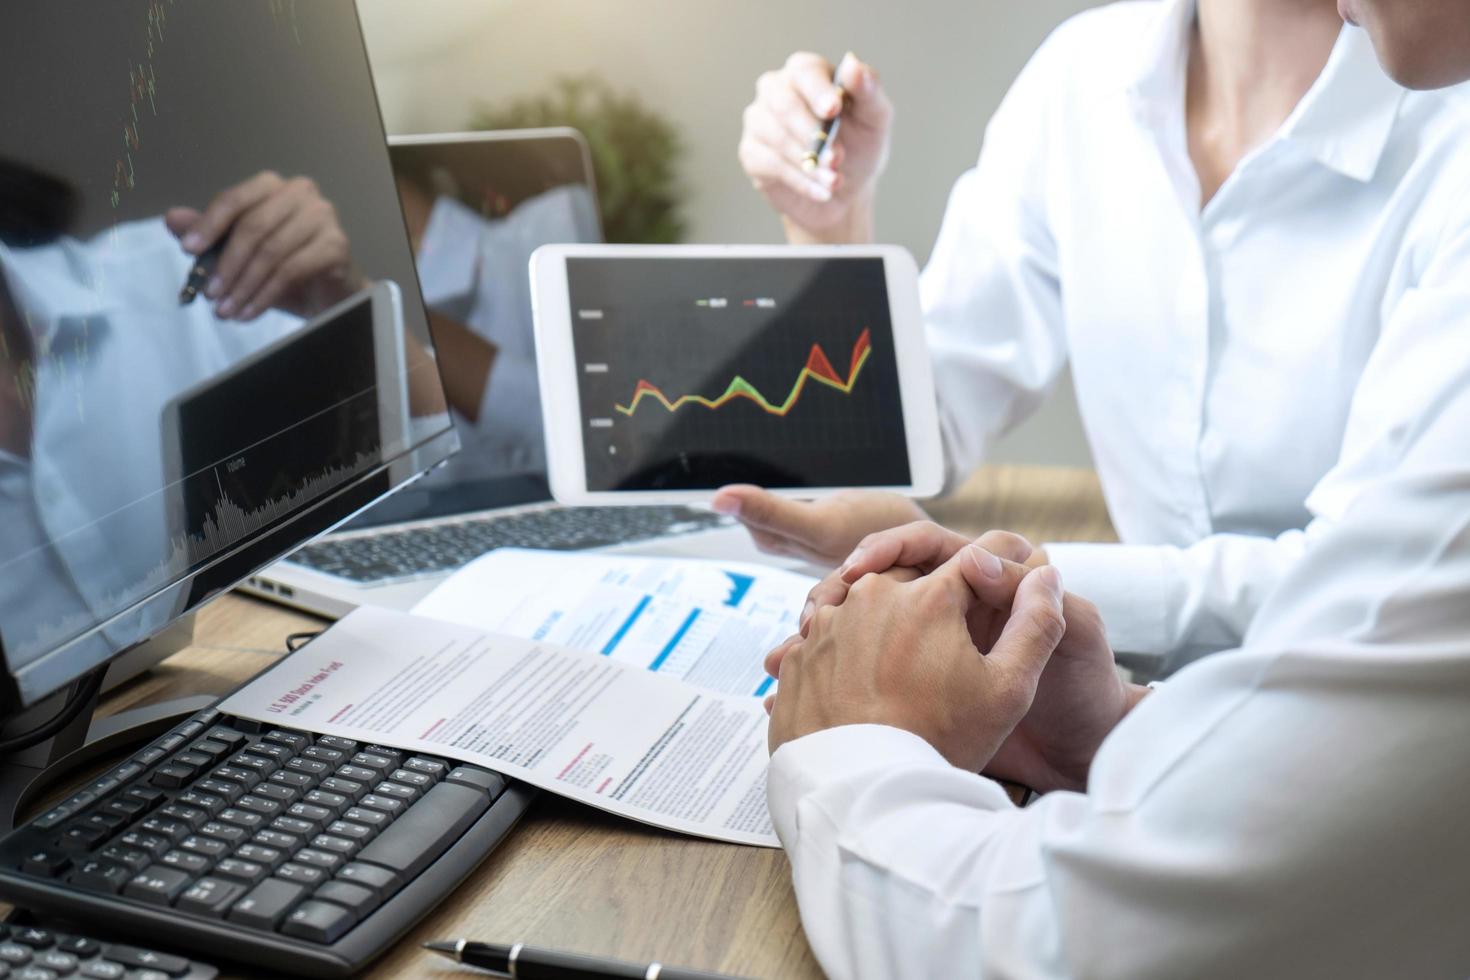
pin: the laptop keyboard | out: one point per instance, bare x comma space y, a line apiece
405, 553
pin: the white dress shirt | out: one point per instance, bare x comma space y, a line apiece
474, 270
1241, 370
1295, 808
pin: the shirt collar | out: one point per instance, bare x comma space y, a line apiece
1344, 121
1346, 118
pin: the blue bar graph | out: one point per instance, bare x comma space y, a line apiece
674, 643
617, 637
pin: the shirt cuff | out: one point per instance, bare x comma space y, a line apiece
1132, 587
852, 754
448, 258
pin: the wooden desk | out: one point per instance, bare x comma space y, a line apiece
574, 878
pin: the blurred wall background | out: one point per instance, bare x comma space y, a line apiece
945, 63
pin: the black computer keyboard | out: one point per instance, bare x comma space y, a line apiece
401, 553
34, 953
304, 854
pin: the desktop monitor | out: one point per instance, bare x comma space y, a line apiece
152, 452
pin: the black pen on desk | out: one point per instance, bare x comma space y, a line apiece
826, 136
529, 963
200, 272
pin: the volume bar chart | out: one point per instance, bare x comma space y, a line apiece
818, 368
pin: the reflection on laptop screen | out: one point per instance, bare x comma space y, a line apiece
477, 206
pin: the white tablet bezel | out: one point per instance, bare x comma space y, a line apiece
561, 394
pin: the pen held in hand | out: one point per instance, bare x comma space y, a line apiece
199, 273
826, 137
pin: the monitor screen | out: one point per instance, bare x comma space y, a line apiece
212, 341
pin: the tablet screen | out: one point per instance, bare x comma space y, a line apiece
697, 372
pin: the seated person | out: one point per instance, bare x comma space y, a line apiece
1291, 809
1237, 230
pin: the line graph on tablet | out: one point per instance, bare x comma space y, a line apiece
818, 369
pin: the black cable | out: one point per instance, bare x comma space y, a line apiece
296, 641
81, 696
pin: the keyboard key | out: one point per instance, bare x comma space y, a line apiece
191, 816
229, 737
211, 805
100, 876
321, 753
150, 844
320, 922
491, 782
429, 827
208, 746
79, 946
267, 904
210, 896
295, 741
33, 937
158, 885
278, 840
233, 868
270, 857
187, 861
335, 802
313, 858
46, 863
309, 767
386, 752
378, 763
397, 791
334, 845
356, 832
338, 742
193, 760
54, 959
269, 750
14, 954
171, 830
349, 788
147, 795
298, 782
131, 858
228, 833
257, 764
82, 837
124, 807
386, 804
380, 880
284, 795
407, 777
243, 819
302, 874
104, 970
358, 774
254, 803
291, 825
373, 819
361, 901
245, 778
172, 775
207, 847
432, 768
316, 814
227, 791
147, 959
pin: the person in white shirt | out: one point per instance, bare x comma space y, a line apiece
1293, 809
1236, 229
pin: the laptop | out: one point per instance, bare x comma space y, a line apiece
477, 205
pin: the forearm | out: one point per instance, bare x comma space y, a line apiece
465, 362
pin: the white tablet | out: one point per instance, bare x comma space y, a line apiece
669, 371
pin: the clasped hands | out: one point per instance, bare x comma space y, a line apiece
962, 643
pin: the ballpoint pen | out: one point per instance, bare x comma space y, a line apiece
200, 272
827, 135
529, 963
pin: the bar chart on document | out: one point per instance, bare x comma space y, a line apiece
707, 622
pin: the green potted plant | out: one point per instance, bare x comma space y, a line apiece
634, 153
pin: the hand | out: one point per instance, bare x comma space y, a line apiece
832, 203
284, 247
1080, 698
899, 652
823, 531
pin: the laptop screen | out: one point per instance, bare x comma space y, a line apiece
477, 206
